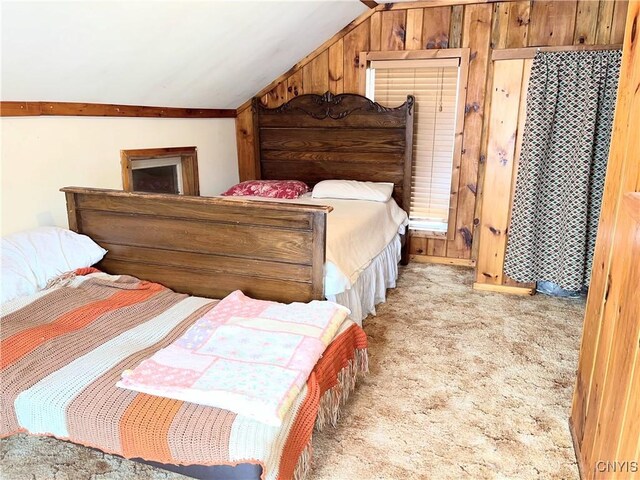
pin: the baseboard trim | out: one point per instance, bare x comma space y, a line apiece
576, 450
458, 262
487, 287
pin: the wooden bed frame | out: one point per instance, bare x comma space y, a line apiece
347, 137
211, 246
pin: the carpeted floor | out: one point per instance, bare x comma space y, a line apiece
463, 384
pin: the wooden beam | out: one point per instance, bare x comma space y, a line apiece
370, 3
530, 52
34, 109
486, 287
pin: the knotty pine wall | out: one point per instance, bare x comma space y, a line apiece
605, 416
441, 24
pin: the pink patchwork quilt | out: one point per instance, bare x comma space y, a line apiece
251, 357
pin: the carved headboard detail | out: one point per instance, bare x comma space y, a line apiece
347, 136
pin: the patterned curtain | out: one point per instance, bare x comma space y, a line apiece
570, 105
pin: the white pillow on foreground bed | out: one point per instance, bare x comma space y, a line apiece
32, 258
353, 190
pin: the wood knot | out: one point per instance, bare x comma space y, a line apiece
467, 236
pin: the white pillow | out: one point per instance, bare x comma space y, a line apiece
30, 259
351, 189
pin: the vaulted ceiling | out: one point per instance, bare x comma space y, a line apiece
206, 54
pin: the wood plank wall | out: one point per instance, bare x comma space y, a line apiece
507, 113
605, 417
481, 27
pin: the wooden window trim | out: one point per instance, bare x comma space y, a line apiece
189, 162
463, 55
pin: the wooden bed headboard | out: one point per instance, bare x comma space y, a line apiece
206, 246
347, 137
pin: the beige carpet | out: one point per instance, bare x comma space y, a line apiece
463, 384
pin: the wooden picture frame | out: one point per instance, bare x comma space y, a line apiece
189, 165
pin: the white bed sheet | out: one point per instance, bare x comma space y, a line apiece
370, 288
357, 232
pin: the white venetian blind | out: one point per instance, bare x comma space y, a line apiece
434, 83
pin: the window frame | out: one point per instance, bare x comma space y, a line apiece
188, 160
463, 55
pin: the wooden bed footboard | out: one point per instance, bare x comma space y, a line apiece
206, 246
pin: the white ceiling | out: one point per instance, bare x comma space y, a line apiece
206, 54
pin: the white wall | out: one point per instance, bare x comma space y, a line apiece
42, 154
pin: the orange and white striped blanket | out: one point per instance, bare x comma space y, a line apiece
64, 349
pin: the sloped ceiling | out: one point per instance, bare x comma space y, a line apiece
199, 54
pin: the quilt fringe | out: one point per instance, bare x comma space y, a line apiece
331, 401
330, 406
304, 463
61, 280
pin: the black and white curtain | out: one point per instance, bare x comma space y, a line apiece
570, 105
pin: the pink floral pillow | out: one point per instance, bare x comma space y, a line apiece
268, 188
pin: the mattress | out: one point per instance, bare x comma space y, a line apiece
357, 232
65, 348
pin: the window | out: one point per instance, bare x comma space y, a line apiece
437, 79
161, 170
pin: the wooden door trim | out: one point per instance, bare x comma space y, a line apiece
530, 52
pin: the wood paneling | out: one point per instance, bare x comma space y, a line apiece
618, 21
436, 25
356, 41
586, 22
552, 22
455, 27
519, 19
248, 165
336, 68
393, 30
500, 25
207, 246
505, 107
476, 35
276, 96
295, 84
413, 39
408, 26
31, 109
605, 22
605, 416
315, 74
375, 30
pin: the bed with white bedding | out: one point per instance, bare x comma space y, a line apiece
363, 249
